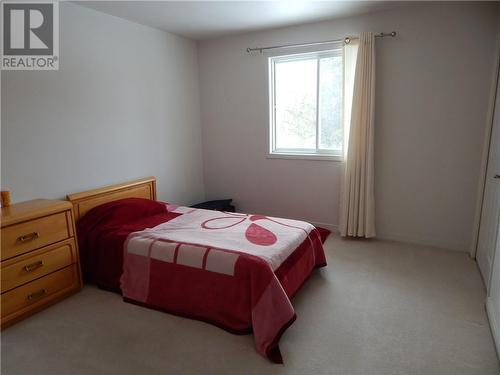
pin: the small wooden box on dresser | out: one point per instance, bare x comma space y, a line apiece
39, 257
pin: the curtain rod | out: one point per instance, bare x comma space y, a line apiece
346, 40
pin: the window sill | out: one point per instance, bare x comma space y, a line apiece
276, 155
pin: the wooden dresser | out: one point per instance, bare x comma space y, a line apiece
39, 257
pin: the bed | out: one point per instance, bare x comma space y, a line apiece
237, 271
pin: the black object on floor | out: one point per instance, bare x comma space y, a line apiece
217, 205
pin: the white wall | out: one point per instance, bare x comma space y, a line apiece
124, 105
433, 83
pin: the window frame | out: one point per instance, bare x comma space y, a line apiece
291, 153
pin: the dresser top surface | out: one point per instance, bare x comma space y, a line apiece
32, 209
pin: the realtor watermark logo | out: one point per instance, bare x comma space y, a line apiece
30, 35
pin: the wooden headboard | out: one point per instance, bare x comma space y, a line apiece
86, 200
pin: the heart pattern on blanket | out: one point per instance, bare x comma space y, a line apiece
222, 222
255, 233
260, 236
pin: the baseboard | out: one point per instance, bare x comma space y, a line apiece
334, 228
331, 227
493, 325
423, 241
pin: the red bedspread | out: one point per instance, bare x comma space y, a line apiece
237, 289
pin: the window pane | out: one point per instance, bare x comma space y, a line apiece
331, 128
295, 95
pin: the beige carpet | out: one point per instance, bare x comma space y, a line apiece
378, 308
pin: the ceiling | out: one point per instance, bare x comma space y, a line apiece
209, 19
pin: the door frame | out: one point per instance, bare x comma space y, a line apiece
486, 154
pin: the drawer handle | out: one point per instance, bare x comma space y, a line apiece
33, 266
28, 237
37, 294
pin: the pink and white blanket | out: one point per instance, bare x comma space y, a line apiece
237, 271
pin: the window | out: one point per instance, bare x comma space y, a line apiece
306, 105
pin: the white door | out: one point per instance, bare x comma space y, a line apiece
493, 303
491, 202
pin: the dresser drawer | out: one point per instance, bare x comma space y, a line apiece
26, 236
39, 292
31, 266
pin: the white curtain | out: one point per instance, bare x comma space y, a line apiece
357, 211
